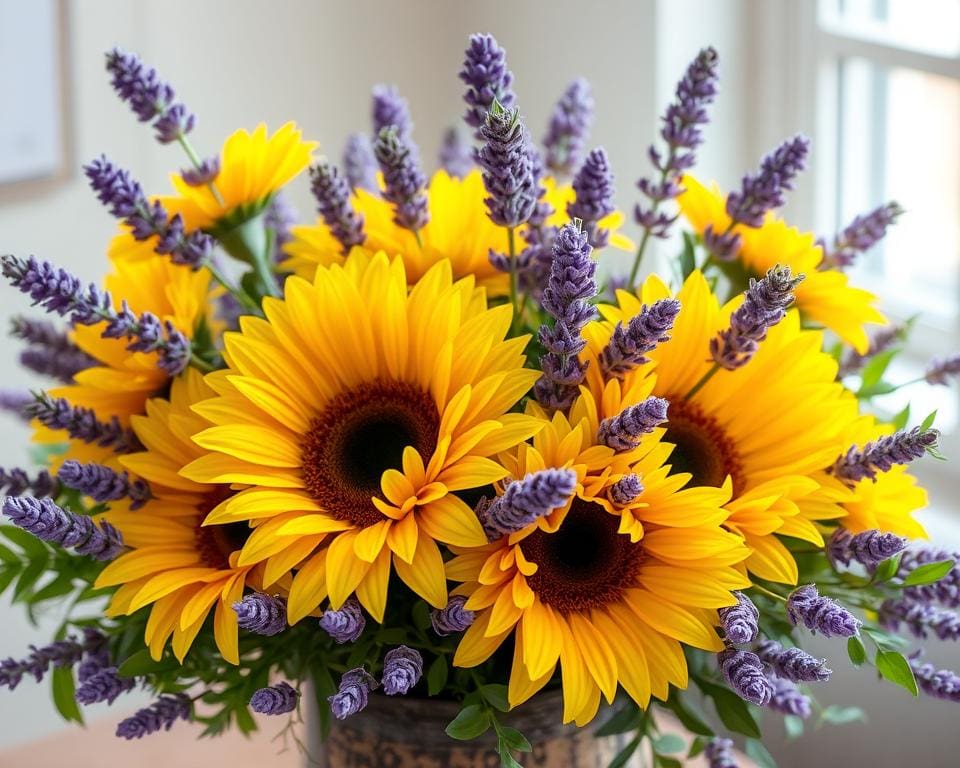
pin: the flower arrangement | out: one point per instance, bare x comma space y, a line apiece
417, 449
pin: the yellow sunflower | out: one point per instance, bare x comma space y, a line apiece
355, 409
610, 592
824, 297
771, 428
177, 566
459, 231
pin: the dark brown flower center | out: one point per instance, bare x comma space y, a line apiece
215, 543
586, 563
703, 448
360, 434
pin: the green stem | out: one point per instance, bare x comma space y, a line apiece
236, 291
184, 142
703, 380
200, 364
512, 254
639, 257
769, 593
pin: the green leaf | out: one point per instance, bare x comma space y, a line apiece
900, 420
506, 759
660, 761
245, 721
496, 696
625, 719
513, 738
688, 258
733, 710
7, 555
880, 388
32, 547
759, 754
835, 715
472, 721
625, 754
28, 577
893, 666
421, 615
690, 719
698, 745
928, 422
668, 743
437, 675
928, 573
856, 651
887, 569
141, 663
793, 725
58, 587
63, 689
875, 367
7, 575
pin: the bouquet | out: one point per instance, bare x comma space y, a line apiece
416, 449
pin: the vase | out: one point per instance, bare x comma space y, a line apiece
399, 732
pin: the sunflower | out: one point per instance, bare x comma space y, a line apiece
771, 428
825, 297
459, 231
611, 593
179, 567
353, 411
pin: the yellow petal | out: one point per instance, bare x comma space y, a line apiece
452, 521
425, 573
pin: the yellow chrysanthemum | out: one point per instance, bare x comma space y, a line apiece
610, 593
459, 231
771, 427
178, 566
354, 410
824, 297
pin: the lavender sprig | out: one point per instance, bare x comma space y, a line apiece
939, 683
945, 591
920, 618
569, 128
16, 402
882, 340
204, 173
389, 108
161, 715
456, 154
719, 753
17, 482
788, 700
859, 236
404, 182
81, 423
275, 700
743, 672
507, 167
61, 365
63, 653
41, 333
103, 685
487, 78
346, 624
882, 454
941, 369
402, 669
359, 164
764, 305
352, 694
102, 483
149, 97
624, 431
262, 614
523, 501
593, 186
333, 202
453, 618
869, 548
806, 606
739, 621
793, 663
51, 523
629, 345
626, 490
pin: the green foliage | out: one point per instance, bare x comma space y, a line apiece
471, 721
893, 666
733, 711
759, 754
835, 715
856, 651
928, 573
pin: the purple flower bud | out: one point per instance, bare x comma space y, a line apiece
275, 700
817, 613
346, 624
719, 753
404, 182
881, 455
16, 403
569, 128
389, 108
60, 654
161, 715
764, 305
488, 79
882, 340
353, 692
452, 619
869, 548
624, 431
739, 621
402, 669
507, 167
50, 522
81, 423
523, 501
16, 482
860, 235
103, 685
788, 700
629, 345
793, 663
945, 590
764, 191
102, 483
62, 365
359, 164
261, 613
205, 173
456, 154
174, 124
743, 672
333, 203
941, 684
920, 618
940, 369
593, 186
626, 490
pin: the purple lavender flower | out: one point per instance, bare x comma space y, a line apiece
389, 108
594, 190
764, 305
81, 423
880, 455
402, 669
682, 133
149, 97
719, 753
523, 501
275, 700
346, 624
205, 173
569, 128
352, 694
404, 182
920, 618
15, 402
939, 683
63, 653
507, 167
51, 352
333, 202
859, 236
51, 523
452, 619
17, 482
743, 672
629, 345
102, 483
624, 431
626, 490
456, 154
882, 340
817, 613
788, 700
764, 191
869, 548
104, 685
488, 79
161, 715
359, 164
261, 613
566, 299
940, 369
793, 663
96, 654
739, 621
945, 591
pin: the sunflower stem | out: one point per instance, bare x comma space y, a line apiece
195, 159
703, 380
